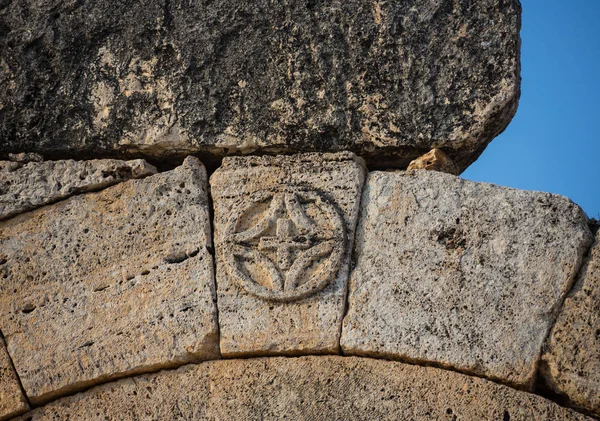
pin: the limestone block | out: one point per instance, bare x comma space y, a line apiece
460, 274
34, 184
284, 228
12, 401
389, 80
109, 284
305, 389
571, 361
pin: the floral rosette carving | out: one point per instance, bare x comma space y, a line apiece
284, 245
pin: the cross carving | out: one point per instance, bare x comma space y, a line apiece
284, 243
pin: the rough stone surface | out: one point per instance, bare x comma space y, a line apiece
390, 80
460, 274
12, 401
25, 157
111, 283
28, 186
435, 160
571, 361
305, 389
284, 228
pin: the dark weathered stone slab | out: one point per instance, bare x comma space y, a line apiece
388, 80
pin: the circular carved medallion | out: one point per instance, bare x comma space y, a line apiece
284, 245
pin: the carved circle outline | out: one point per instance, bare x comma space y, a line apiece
310, 287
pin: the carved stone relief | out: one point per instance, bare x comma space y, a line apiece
284, 245
283, 230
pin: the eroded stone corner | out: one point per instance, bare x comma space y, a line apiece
28, 183
284, 229
110, 284
274, 77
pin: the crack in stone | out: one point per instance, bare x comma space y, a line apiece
80, 192
14, 369
577, 273
84, 386
211, 251
541, 385
168, 16
352, 260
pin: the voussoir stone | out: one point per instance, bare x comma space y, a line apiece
304, 389
460, 274
30, 185
284, 228
571, 360
12, 400
108, 284
389, 80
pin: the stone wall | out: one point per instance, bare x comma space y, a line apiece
435, 297
330, 264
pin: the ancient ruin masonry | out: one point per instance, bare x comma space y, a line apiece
237, 210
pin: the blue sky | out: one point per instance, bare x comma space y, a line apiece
553, 143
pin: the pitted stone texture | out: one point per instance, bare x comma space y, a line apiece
111, 283
12, 401
388, 80
24, 158
283, 233
34, 184
460, 274
571, 361
304, 389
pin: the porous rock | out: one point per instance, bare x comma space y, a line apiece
24, 158
12, 401
284, 228
30, 185
460, 274
388, 80
571, 360
108, 284
305, 389
434, 160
